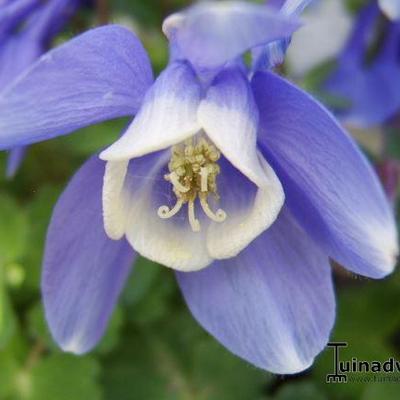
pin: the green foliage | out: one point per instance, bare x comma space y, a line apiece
14, 229
299, 391
7, 317
62, 377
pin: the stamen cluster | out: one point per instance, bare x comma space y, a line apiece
193, 172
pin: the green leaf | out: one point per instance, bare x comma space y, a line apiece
300, 391
9, 367
200, 367
393, 142
355, 6
39, 212
384, 391
64, 377
143, 276
317, 76
219, 375
38, 328
94, 138
14, 377
367, 318
15, 275
159, 286
13, 230
131, 372
112, 334
7, 317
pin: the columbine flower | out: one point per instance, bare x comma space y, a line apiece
371, 86
232, 172
391, 8
26, 29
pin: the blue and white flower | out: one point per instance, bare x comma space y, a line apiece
232, 176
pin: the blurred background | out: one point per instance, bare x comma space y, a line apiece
153, 348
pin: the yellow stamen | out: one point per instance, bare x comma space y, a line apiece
164, 212
193, 171
204, 179
219, 216
194, 223
174, 178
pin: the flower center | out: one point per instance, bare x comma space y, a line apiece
193, 171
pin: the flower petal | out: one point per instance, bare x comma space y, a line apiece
369, 88
96, 76
329, 185
50, 18
272, 305
275, 4
84, 270
274, 53
17, 53
294, 7
13, 13
372, 95
391, 8
14, 160
359, 40
132, 196
167, 116
250, 210
229, 116
210, 34
114, 201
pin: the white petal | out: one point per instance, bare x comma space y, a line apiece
229, 117
168, 241
113, 199
167, 116
250, 211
